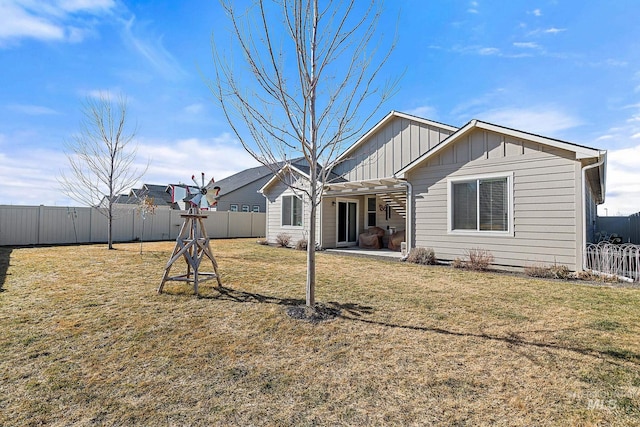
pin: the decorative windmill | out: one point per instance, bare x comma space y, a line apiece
192, 243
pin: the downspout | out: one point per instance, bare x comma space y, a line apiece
408, 220
584, 206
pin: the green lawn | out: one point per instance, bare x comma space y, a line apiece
87, 341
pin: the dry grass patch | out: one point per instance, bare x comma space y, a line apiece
86, 340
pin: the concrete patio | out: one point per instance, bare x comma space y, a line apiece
374, 253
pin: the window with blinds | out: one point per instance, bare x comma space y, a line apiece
480, 204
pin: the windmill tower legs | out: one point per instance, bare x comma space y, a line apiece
193, 246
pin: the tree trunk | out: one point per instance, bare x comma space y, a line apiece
311, 256
110, 227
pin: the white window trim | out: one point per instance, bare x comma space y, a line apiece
466, 178
291, 227
255, 208
348, 200
246, 206
367, 211
231, 207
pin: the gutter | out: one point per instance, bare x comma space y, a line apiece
408, 233
601, 162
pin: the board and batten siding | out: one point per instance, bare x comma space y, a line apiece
273, 196
390, 149
546, 200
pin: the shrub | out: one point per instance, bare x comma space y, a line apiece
262, 241
538, 271
554, 271
479, 259
476, 259
283, 239
302, 245
424, 256
458, 263
560, 271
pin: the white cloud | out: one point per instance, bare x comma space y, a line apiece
554, 30
194, 108
30, 177
175, 161
623, 182
489, 51
16, 23
50, 21
32, 110
424, 111
527, 45
542, 120
152, 50
536, 12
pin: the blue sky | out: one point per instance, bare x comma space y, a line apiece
563, 69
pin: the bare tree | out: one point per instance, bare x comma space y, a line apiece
307, 70
101, 158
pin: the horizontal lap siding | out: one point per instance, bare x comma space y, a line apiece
545, 195
274, 216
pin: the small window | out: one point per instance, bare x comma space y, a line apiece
233, 208
256, 208
371, 211
245, 208
480, 204
292, 211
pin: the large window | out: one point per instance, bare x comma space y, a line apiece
480, 204
292, 211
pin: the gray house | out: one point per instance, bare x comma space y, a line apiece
240, 192
526, 198
161, 198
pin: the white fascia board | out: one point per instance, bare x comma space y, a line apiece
275, 176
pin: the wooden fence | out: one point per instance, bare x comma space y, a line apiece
54, 225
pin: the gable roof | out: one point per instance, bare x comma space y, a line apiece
247, 176
299, 169
581, 151
158, 193
386, 119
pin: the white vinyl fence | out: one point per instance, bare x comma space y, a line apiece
52, 225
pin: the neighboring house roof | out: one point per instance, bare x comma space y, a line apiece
247, 176
158, 193
581, 151
393, 114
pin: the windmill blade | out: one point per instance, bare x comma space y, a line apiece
202, 186
196, 199
211, 192
212, 196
